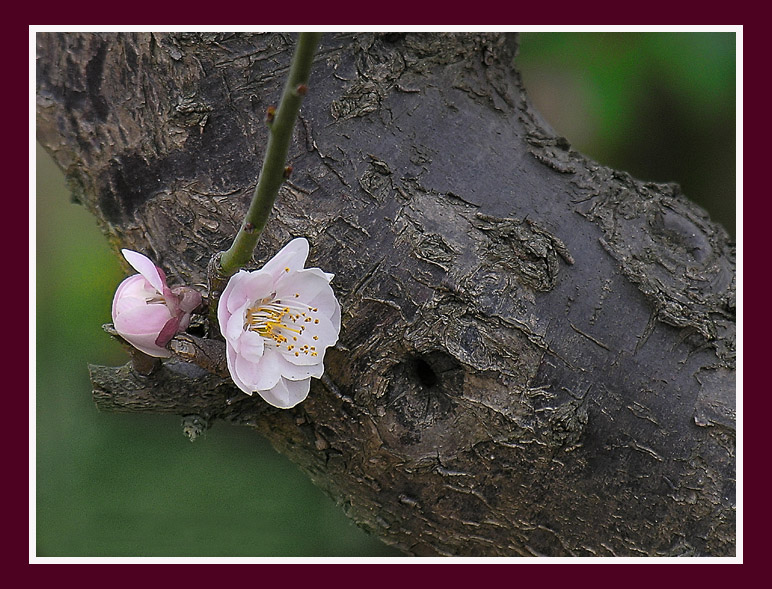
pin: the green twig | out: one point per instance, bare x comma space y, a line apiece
273, 173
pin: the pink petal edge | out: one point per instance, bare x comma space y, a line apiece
146, 267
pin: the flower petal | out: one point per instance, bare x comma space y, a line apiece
307, 283
287, 393
248, 287
268, 371
234, 327
231, 356
142, 319
292, 256
251, 346
132, 292
141, 326
258, 376
327, 306
309, 346
292, 371
243, 288
245, 371
146, 267
226, 298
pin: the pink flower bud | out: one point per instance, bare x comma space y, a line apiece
146, 312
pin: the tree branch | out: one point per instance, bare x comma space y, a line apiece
537, 352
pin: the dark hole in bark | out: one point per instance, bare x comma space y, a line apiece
424, 373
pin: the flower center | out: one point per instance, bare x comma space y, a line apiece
283, 323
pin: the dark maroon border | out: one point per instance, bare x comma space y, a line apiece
16, 41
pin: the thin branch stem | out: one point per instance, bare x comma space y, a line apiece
281, 121
274, 171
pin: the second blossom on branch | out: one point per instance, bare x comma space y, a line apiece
146, 312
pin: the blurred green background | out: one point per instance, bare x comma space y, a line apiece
659, 105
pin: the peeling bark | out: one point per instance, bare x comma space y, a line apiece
537, 354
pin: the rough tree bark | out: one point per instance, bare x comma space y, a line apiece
537, 354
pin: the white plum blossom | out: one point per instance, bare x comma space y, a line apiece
277, 323
146, 312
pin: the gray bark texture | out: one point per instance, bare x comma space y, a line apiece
537, 354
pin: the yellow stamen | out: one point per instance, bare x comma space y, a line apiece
275, 321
